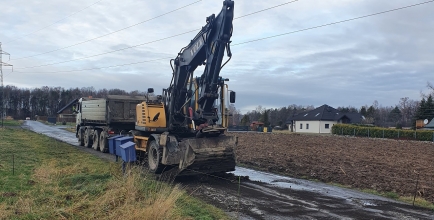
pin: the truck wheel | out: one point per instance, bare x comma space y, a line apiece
155, 153
80, 137
103, 143
95, 139
87, 138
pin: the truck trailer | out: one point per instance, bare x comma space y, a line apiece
99, 118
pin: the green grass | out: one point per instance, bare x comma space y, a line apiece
41, 178
407, 199
11, 123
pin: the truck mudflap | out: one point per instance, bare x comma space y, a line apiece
196, 156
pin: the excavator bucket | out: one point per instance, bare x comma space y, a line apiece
197, 156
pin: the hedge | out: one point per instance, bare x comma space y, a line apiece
377, 132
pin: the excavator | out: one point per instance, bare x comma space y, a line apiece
184, 127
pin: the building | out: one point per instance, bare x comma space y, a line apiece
321, 120
430, 125
255, 124
66, 113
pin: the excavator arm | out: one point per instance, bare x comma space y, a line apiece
181, 129
207, 48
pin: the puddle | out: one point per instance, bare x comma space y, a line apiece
306, 185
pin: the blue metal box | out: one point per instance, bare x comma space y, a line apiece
128, 151
112, 143
119, 142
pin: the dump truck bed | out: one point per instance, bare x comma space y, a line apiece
113, 109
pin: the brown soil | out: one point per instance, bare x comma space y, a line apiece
365, 163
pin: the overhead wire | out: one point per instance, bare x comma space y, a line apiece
95, 55
333, 23
122, 29
266, 9
305, 29
105, 67
161, 39
25, 35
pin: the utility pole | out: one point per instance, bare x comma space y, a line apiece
1, 79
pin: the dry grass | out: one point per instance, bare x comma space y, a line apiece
137, 197
54, 180
132, 196
5, 211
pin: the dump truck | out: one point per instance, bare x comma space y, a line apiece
99, 118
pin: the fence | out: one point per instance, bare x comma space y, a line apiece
238, 128
247, 128
377, 132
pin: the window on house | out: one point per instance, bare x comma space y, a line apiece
327, 126
301, 126
307, 126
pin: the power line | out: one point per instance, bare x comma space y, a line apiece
55, 22
278, 35
122, 29
106, 67
337, 22
161, 39
125, 48
266, 9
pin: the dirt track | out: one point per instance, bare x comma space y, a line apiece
365, 163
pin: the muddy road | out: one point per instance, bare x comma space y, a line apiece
250, 194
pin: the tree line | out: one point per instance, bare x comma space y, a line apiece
403, 114
20, 103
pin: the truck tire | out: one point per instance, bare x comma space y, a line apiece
88, 138
95, 139
103, 142
80, 137
155, 153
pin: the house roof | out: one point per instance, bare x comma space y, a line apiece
355, 118
430, 124
67, 106
327, 113
324, 113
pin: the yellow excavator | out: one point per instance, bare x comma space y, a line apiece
184, 127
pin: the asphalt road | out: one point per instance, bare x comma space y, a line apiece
250, 194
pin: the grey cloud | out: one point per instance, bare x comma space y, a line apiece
382, 58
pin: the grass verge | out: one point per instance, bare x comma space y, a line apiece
11, 122
41, 178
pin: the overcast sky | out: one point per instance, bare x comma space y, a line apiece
384, 57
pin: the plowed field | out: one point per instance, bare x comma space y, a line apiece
380, 164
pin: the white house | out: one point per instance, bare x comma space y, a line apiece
321, 120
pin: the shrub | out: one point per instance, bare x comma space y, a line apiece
378, 132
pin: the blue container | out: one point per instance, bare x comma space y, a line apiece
119, 142
112, 143
128, 151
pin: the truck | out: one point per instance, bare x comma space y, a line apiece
99, 118
183, 129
